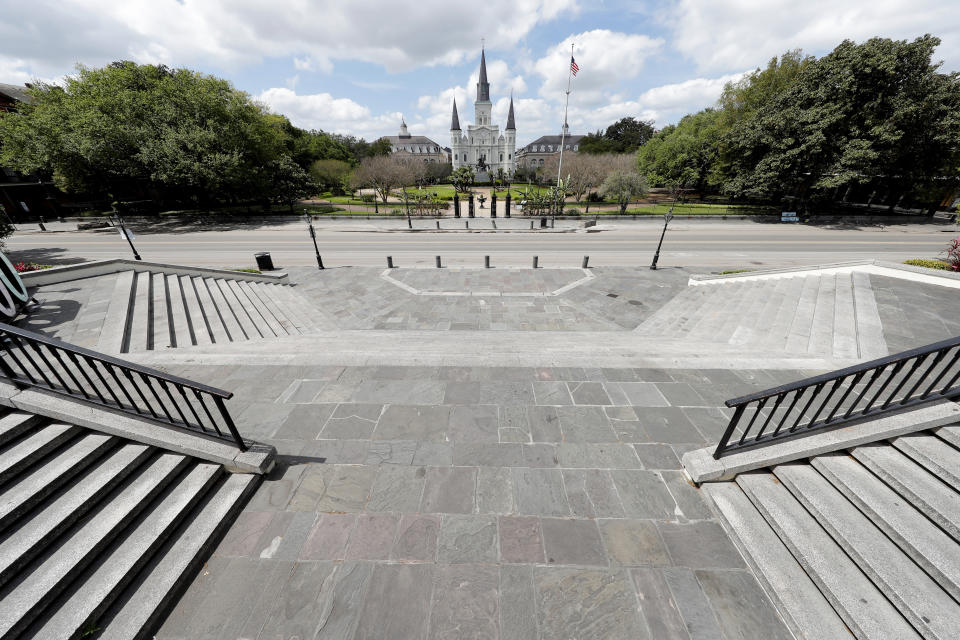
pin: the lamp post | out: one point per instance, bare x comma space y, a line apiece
126, 234
668, 216
313, 235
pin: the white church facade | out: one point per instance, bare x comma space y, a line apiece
482, 147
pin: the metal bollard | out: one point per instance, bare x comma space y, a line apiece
536, 261
389, 262
438, 263
486, 262
531, 225
466, 224
586, 260
494, 223
438, 225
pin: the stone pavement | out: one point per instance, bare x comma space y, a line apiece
440, 499
477, 502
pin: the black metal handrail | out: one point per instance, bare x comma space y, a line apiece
905, 379
29, 359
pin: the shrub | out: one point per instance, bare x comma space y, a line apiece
573, 211
953, 254
366, 197
23, 267
929, 264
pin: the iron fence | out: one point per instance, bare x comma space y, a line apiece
841, 397
29, 359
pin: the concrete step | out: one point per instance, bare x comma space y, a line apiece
930, 452
116, 570
254, 312
798, 337
936, 499
161, 582
949, 434
62, 510
804, 609
140, 314
821, 331
240, 314
915, 534
26, 452
744, 299
50, 475
182, 335
763, 300
279, 311
861, 605
779, 328
41, 583
917, 597
161, 314
217, 329
266, 315
276, 296
195, 315
872, 344
116, 325
318, 319
16, 423
845, 343
716, 311
227, 316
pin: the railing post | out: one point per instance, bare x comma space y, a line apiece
731, 427
229, 422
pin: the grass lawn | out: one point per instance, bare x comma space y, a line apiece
518, 193
704, 210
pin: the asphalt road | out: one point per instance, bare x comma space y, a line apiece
728, 244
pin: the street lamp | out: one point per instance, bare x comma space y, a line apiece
313, 235
118, 220
668, 216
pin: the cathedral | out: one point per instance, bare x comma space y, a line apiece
483, 148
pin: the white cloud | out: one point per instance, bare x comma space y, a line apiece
606, 58
323, 111
724, 35
689, 96
230, 33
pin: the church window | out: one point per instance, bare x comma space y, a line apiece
509, 155
501, 157
541, 162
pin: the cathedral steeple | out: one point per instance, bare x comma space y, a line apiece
483, 87
511, 125
455, 123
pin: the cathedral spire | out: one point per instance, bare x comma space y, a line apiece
511, 125
483, 87
455, 123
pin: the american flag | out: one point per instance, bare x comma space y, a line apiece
573, 66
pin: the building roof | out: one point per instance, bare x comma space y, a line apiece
510, 121
552, 141
455, 123
16, 92
411, 140
483, 87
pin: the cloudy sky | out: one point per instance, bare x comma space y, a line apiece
355, 66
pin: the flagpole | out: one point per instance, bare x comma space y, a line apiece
566, 106
563, 129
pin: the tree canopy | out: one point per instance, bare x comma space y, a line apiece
876, 115
137, 132
626, 135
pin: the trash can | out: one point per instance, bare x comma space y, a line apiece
543, 223
264, 261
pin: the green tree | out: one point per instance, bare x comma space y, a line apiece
877, 113
626, 135
142, 130
330, 174
684, 156
622, 186
462, 179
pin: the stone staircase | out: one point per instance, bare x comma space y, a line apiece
154, 310
862, 542
831, 314
98, 534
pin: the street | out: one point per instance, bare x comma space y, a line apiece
707, 243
